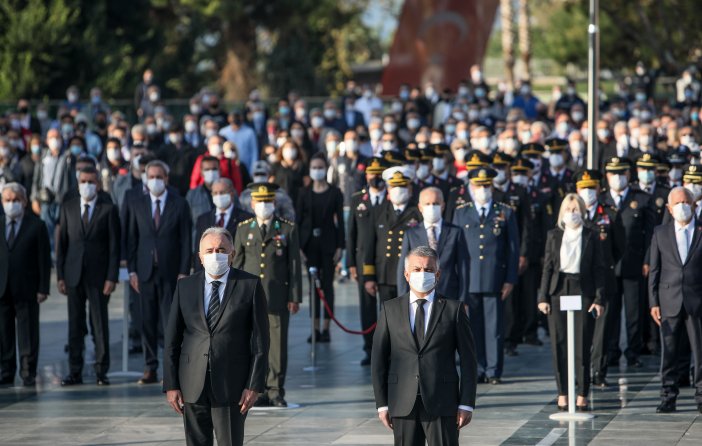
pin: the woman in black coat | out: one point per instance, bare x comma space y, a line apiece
573, 265
320, 216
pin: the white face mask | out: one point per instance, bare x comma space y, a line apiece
389, 127
114, 154
289, 153
617, 182
423, 171
388, 146
260, 178
350, 146
13, 209
264, 209
460, 154
500, 178
521, 180
215, 263
331, 148
54, 143
422, 281
572, 220
210, 176
577, 148
431, 213
555, 160
646, 177
682, 212
399, 195
525, 137
482, 195
696, 190
462, 134
317, 174
375, 134
215, 150
510, 146
536, 162
317, 122
438, 164
87, 191
589, 196
190, 127
222, 201
156, 186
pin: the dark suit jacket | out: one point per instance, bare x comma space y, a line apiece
209, 219
91, 253
237, 348
592, 267
172, 240
400, 367
671, 283
453, 260
26, 268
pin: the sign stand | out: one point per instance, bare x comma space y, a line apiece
313, 335
125, 372
571, 304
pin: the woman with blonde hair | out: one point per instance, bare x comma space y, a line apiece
573, 265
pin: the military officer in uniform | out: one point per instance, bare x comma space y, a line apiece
441, 163
492, 237
600, 218
558, 177
268, 246
461, 194
359, 228
425, 177
383, 247
633, 227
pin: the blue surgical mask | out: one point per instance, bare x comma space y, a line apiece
76, 150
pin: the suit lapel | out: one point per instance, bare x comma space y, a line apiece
166, 211
3, 231
149, 214
96, 213
674, 242
695, 240
442, 237
438, 308
404, 317
200, 296
583, 244
228, 291
559, 242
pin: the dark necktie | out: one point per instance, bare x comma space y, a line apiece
377, 200
482, 215
419, 318
264, 228
86, 216
213, 307
220, 222
398, 212
12, 234
157, 214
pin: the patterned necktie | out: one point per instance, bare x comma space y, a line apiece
157, 214
419, 319
220, 222
86, 216
213, 307
11, 236
431, 234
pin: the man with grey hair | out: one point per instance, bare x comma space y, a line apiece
675, 298
158, 232
25, 270
216, 345
418, 393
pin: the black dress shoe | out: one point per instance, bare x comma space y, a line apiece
71, 380
8, 381
634, 363
149, 377
511, 351
600, 381
482, 379
666, 407
317, 336
684, 381
279, 401
262, 401
613, 362
495, 380
324, 337
532, 340
29, 381
563, 408
366, 361
583, 408
102, 380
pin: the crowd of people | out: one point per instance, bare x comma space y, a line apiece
496, 181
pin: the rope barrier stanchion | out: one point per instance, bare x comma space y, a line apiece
125, 372
323, 299
313, 272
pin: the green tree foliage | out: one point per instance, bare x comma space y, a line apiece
47, 45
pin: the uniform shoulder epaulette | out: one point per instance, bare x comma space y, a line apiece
247, 221
291, 223
466, 204
454, 188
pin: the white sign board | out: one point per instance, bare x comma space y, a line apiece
574, 303
123, 274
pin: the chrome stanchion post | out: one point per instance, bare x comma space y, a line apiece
313, 312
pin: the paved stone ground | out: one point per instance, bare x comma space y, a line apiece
335, 402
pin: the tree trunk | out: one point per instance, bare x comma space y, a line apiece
506, 16
525, 37
238, 74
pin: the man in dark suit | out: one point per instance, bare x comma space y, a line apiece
225, 214
359, 228
158, 254
492, 241
25, 268
383, 247
216, 345
633, 226
87, 266
443, 237
674, 293
418, 393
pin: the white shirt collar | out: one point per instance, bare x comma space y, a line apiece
264, 222
436, 225
623, 193
227, 212
163, 197
689, 226
90, 203
429, 298
209, 279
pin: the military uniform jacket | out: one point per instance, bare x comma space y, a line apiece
659, 198
275, 259
517, 198
633, 227
493, 246
457, 196
602, 223
359, 227
383, 246
540, 216
556, 189
433, 181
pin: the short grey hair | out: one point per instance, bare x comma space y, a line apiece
158, 163
687, 192
422, 251
434, 189
16, 188
216, 230
226, 181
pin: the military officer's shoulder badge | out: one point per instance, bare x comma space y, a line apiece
361, 207
660, 202
358, 193
462, 205
634, 204
413, 222
247, 221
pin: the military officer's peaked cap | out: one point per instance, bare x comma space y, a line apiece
398, 179
531, 149
522, 165
617, 164
476, 158
393, 157
482, 176
376, 165
588, 178
693, 174
647, 161
263, 191
555, 145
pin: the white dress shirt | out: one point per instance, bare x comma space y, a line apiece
91, 207
376, 195
480, 207
427, 316
571, 250
208, 288
163, 197
619, 197
683, 238
399, 208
